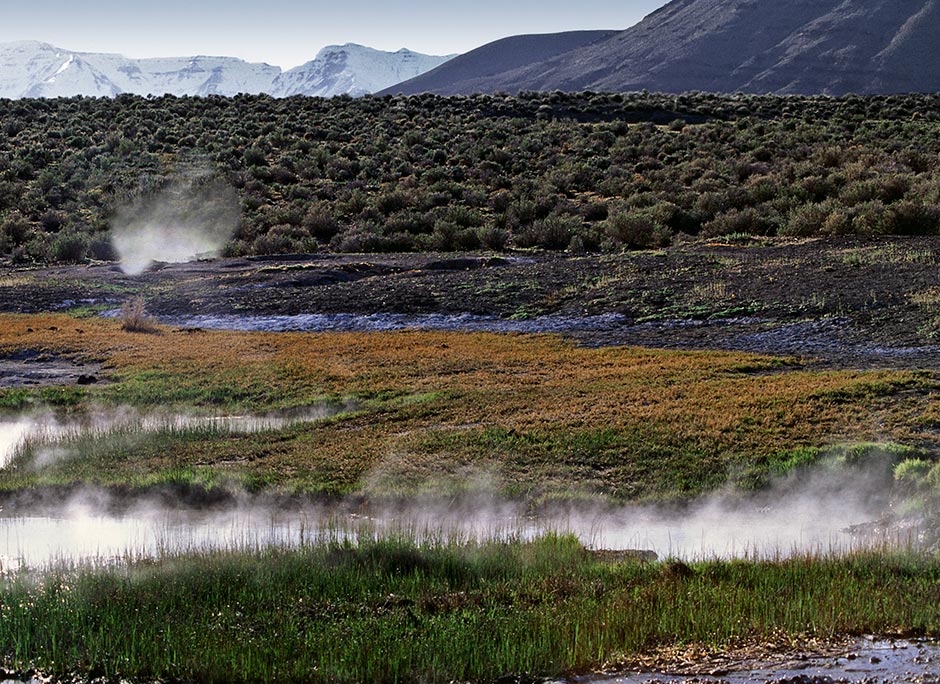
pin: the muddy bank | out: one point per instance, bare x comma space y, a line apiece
843, 303
868, 660
828, 342
30, 367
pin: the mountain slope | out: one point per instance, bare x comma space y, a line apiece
480, 70
760, 46
34, 69
790, 46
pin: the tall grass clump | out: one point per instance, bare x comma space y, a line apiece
134, 317
392, 608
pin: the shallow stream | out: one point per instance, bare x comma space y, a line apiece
83, 529
48, 431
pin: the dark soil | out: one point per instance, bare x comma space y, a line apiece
28, 367
846, 303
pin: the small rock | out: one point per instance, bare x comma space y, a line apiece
87, 380
874, 660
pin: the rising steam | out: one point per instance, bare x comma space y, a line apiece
192, 216
806, 512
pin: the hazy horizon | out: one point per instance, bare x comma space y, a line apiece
287, 33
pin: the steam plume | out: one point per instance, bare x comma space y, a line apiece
193, 216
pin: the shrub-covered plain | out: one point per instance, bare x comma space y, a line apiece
583, 171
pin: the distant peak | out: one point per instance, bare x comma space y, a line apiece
35, 44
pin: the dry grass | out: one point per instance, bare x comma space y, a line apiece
928, 301
534, 412
887, 255
134, 317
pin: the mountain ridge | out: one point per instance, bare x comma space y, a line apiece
472, 69
828, 47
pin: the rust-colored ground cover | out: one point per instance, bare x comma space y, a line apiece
534, 416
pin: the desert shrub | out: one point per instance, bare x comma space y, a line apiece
838, 222
15, 230
367, 239
255, 156
101, 248
444, 236
390, 202
747, 221
283, 239
493, 238
643, 227
594, 211
521, 213
553, 232
320, 223
913, 218
806, 220
52, 221
464, 217
677, 125
870, 218
70, 247
467, 239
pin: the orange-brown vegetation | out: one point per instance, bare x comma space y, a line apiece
537, 413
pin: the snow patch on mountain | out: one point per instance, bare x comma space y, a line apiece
35, 69
355, 70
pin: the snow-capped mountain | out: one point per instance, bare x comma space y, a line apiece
355, 70
34, 69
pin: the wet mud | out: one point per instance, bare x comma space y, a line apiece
868, 661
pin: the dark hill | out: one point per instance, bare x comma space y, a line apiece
759, 46
471, 72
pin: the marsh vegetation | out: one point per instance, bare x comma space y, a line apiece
458, 422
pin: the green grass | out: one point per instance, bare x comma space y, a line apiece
394, 610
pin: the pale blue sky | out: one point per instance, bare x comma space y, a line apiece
289, 32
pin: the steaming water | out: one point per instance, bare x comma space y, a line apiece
83, 535
46, 430
82, 532
812, 516
809, 516
795, 523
